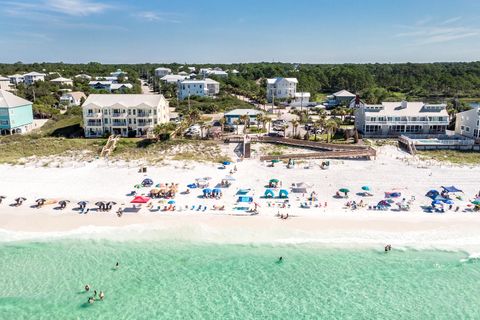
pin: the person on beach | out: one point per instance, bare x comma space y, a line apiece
388, 247
87, 287
101, 295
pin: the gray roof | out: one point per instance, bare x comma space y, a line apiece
9, 100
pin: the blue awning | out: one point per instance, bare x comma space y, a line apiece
451, 189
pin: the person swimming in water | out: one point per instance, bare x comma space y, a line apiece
117, 265
280, 259
87, 287
94, 293
91, 300
101, 295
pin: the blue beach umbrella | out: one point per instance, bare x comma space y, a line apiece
171, 202
226, 163
366, 188
207, 190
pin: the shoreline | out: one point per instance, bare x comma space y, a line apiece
453, 232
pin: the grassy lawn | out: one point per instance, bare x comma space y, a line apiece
452, 156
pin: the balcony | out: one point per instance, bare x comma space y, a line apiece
119, 123
94, 115
119, 115
406, 122
94, 123
144, 114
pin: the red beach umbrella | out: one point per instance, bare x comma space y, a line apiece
140, 199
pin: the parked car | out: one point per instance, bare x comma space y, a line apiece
229, 128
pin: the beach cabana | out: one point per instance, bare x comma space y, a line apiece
206, 192
273, 183
283, 194
269, 193
140, 200
245, 199
451, 189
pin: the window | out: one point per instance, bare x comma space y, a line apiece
462, 128
4, 122
467, 129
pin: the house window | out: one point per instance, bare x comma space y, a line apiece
467, 129
4, 122
462, 128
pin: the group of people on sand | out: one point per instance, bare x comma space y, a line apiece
283, 216
101, 294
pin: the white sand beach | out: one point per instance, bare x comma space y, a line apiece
334, 224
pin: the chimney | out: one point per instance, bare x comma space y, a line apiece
404, 104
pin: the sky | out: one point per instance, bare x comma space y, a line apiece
234, 31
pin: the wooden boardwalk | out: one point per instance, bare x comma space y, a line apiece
324, 150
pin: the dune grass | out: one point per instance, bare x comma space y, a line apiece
452, 156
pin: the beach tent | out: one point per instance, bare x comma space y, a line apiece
436, 202
192, 186
243, 191
216, 191
207, 191
283, 194
147, 182
384, 203
245, 199
451, 189
393, 194
140, 199
269, 193
432, 194
366, 188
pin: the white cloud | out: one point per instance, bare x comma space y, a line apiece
426, 32
160, 17
76, 7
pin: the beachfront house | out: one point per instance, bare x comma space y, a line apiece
173, 78
61, 81
162, 72
467, 123
234, 115
16, 79
16, 114
281, 88
120, 87
5, 83
74, 98
32, 77
198, 88
100, 85
340, 98
391, 119
128, 115
301, 99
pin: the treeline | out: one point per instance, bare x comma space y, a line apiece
428, 81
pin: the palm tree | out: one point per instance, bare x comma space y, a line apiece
260, 118
222, 123
295, 124
318, 125
236, 123
193, 115
245, 119
331, 127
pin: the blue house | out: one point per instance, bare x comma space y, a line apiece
16, 115
233, 115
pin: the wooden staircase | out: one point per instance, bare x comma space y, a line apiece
110, 146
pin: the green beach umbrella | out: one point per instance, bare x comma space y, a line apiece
344, 190
274, 181
275, 161
476, 202
366, 188
137, 186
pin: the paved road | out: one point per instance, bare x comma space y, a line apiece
146, 89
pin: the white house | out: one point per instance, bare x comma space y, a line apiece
125, 114
183, 73
83, 76
118, 73
162, 72
16, 79
112, 79
115, 87
72, 98
199, 88
217, 73
32, 77
5, 83
191, 69
62, 81
397, 118
173, 78
342, 97
281, 88
301, 99
467, 123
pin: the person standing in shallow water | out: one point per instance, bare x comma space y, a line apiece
87, 287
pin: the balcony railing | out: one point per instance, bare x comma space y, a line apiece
406, 122
144, 114
119, 115
94, 115
94, 124
119, 123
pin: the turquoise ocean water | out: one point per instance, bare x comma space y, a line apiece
162, 280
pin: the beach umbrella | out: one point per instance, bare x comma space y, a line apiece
226, 163
384, 203
20, 199
436, 202
40, 200
216, 190
99, 203
82, 203
140, 199
171, 202
111, 203
275, 161
207, 190
344, 190
476, 202
366, 188
448, 201
274, 181
147, 182
137, 186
